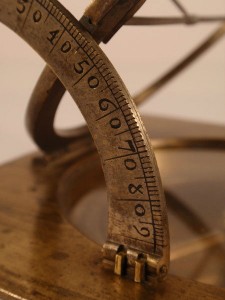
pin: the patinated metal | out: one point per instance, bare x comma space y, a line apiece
44, 257
137, 243
137, 213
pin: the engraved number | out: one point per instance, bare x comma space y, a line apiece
105, 103
139, 210
93, 82
53, 36
130, 164
131, 146
79, 68
21, 7
144, 231
115, 123
66, 47
133, 189
37, 16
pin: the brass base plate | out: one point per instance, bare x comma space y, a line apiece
42, 256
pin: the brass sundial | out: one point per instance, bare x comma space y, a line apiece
63, 263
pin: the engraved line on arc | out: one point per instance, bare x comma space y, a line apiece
152, 181
134, 139
147, 223
156, 214
121, 156
148, 167
152, 243
135, 143
159, 229
73, 85
154, 192
148, 171
27, 15
49, 10
132, 200
97, 62
136, 200
103, 90
144, 162
152, 189
131, 122
138, 140
109, 113
109, 88
143, 151
119, 91
125, 104
155, 200
142, 177
105, 69
123, 100
160, 232
136, 134
57, 41
46, 18
148, 193
130, 114
159, 235
137, 129
155, 196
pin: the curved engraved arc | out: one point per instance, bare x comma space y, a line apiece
137, 213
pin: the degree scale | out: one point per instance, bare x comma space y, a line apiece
138, 239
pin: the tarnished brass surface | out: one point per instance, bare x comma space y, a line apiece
41, 113
43, 257
138, 240
137, 210
196, 222
104, 18
49, 91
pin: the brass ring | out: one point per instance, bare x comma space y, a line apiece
41, 112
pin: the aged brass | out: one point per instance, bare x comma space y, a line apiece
44, 256
136, 198
137, 244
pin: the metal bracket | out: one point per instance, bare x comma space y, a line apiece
104, 20
133, 263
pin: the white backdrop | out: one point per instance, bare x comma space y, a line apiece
140, 55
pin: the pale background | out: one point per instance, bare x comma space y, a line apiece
140, 55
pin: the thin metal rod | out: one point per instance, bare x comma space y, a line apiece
180, 7
190, 20
189, 143
159, 83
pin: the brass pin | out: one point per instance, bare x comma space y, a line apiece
120, 264
139, 271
